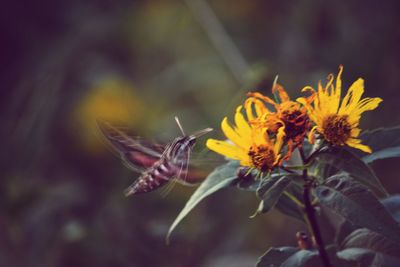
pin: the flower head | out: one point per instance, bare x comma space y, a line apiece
250, 145
338, 121
290, 115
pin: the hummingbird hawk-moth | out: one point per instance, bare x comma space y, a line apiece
158, 164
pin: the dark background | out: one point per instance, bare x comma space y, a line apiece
66, 63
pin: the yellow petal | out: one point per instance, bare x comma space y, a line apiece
232, 135
354, 140
339, 81
246, 162
352, 97
329, 84
367, 104
337, 91
355, 132
264, 98
308, 88
311, 111
278, 158
303, 101
358, 145
226, 149
279, 140
259, 136
242, 127
327, 101
311, 134
321, 101
248, 106
284, 97
258, 106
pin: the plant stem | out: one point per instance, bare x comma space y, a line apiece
310, 212
221, 40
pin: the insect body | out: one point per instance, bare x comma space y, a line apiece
157, 164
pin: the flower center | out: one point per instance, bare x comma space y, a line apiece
337, 129
262, 157
296, 122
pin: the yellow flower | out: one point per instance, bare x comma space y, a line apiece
288, 114
338, 121
111, 99
250, 145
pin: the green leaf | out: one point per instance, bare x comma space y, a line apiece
270, 192
370, 249
391, 152
287, 206
306, 258
311, 258
367, 239
392, 204
356, 203
384, 142
249, 183
273, 179
221, 177
366, 257
248, 179
344, 229
293, 257
274, 257
266, 184
341, 160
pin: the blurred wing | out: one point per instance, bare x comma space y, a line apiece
137, 154
184, 168
181, 165
190, 174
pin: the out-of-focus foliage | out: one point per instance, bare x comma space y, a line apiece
61, 201
112, 100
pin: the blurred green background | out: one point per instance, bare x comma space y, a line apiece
66, 63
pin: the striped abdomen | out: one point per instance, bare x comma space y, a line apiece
156, 176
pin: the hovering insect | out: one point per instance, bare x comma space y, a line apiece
157, 164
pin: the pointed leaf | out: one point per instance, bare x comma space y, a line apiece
367, 239
342, 160
266, 184
392, 204
356, 203
247, 179
390, 152
287, 206
221, 177
271, 195
384, 142
273, 179
311, 258
344, 229
249, 182
370, 248
308, 258
365, 257
274, 257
